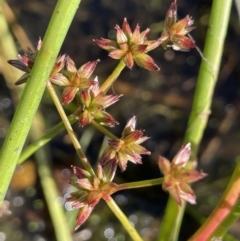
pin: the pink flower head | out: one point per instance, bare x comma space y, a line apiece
90, 190
127, 148
93, 105
174, 31
177, 177
25, 63
74, 80
130, 46
27, 60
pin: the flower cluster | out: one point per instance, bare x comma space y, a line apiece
25, 63
74, 80
65, 74
177, 177
127, 148
131, 46
90, 190
174, 31
93, 105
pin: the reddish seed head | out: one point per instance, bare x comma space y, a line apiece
91, 189
93, 105
130, 46
127, 148
177, 177
76, 79
174, 31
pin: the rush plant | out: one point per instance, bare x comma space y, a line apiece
131, 46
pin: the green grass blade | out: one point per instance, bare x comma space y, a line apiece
207, 78
33, 91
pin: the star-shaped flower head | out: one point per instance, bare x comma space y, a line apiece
25, 63
127, 148
131, 46
27, 60
93, 105
90, 190
177, 177
174, 31
74, 80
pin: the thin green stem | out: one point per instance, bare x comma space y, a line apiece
123, 219
201, 105
69, 129
29, 150
52, 133
103, 130
110, 80
215, 225
51, 195
139, 184
49, 186
8, 50
200, 219
227, 223
33, 91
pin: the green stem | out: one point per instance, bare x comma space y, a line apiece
8, 51
139, 184
29, 150
33, 91
69, 129
227, 223
110, 80
49, 186
103, 130
123, 219
215, 225
201, 105
58, 218
200, 219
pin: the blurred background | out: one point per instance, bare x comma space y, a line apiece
160, 100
